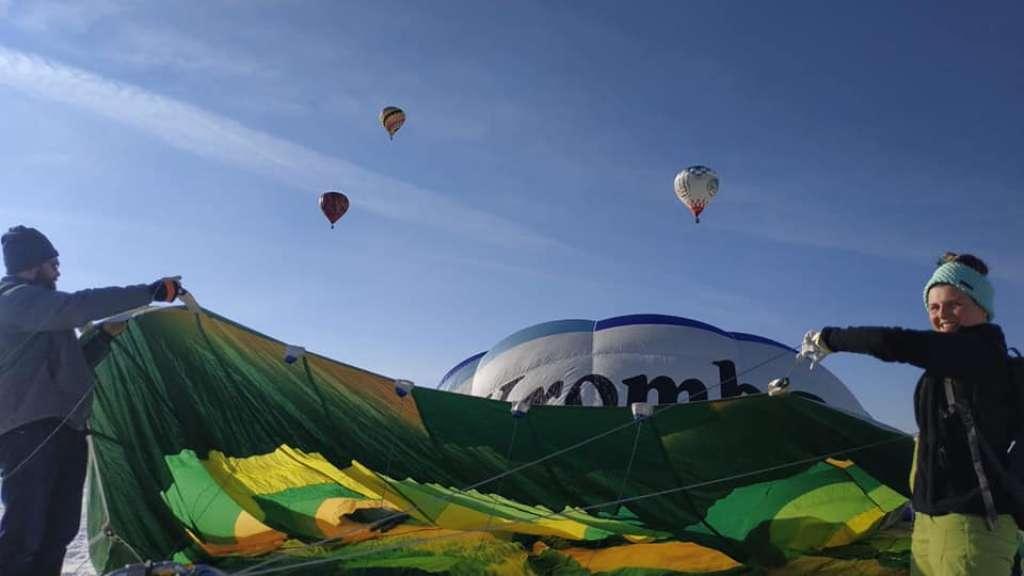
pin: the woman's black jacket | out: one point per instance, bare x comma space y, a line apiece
975, 358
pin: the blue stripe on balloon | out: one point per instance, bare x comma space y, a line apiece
539, 331
570, 326
474, 358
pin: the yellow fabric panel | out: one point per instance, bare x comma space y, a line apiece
855, 528
320, 464
349, 532
680, 556
565, 528
247, 526
469, 543
282, 469
378, 390
638, 539
457, 517
331, 521
251, 539
337, 507
841, 464
372, 483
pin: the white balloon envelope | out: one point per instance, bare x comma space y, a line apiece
639, 358
695, 187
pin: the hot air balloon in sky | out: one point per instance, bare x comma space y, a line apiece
695, 187
333, 205
392, 118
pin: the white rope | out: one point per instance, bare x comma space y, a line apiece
81, 564
626, 478
16, 469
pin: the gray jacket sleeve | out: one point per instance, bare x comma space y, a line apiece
36, 309
96, 347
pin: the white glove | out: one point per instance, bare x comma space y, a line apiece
813, 348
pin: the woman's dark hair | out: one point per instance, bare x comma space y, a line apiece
966, 259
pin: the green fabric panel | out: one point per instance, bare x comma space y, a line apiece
294, 511
728, 514
585, 476
886, 498
132, 428
307, 500
175, 383
817, 515
199, 502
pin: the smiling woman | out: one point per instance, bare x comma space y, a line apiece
965, 407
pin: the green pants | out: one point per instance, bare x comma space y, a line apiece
962, 545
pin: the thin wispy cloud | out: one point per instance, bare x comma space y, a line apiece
903, 233
192, 129
150, 48
60, 15
49, 159
132, 42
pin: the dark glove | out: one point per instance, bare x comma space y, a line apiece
166, 289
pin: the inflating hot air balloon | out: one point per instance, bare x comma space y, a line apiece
333, 205
392, 118
245, 462
638, 358
695, 187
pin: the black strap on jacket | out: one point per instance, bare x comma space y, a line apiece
972, 441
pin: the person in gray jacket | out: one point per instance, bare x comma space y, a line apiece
46, 385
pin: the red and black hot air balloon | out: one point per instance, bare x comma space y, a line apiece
333, 205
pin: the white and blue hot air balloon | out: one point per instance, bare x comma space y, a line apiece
638, 358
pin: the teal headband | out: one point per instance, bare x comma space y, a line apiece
967, 280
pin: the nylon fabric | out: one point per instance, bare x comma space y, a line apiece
212, 448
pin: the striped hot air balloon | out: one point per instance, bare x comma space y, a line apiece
392, 118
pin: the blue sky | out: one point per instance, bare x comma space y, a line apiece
533, 181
